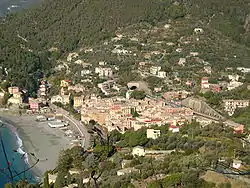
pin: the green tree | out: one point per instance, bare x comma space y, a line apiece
60, 180
138, 95
46, 180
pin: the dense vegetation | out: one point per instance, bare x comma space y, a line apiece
26, 37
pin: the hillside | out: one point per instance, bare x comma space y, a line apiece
69, 25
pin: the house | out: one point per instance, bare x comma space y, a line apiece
174, 129
16, 99
138, 151
162, 74
65, 83
78, 101
237, 163
157, 89
126, 171
204, 83
104, 72
239, 129
154, 69
233, 77
85, 72
52, 178
71, 56
154, 134
234, 84
56, 99
243, 69
182, 61
198, 30
189, 83
34, 104
13, 90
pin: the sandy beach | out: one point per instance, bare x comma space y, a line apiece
38, 138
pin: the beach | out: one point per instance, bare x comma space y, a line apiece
38, 138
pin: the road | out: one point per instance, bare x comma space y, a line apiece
76, 124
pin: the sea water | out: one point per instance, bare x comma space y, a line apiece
7, 6
17, 158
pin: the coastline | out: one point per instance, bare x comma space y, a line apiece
38, 138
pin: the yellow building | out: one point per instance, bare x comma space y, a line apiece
78, 101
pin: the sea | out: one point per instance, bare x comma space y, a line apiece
10, 6
16, 157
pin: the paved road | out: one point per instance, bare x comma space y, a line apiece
76, 124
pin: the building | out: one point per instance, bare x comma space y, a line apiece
162, 74
231, 105
35, 104
78, 101
174, 129
234, 84
56, 99
204, 83
182, 61
65, 83
104, 72
198, 30
126, 171
152, 133
16, 99
85, 72
52, 178
138, 151
154, 69
243, 69
13, 90
237, 163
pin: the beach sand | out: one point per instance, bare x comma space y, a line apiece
38, 138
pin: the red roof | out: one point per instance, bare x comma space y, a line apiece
173, 127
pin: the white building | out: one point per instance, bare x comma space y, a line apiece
104, 72
204, 83
85, 72
138, 151
154, 69
198, 30
174, 129
154, 134
162, 74
126, 171
182, 61
234, 84
237, 163
243, 69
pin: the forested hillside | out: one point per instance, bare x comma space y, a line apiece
70, 24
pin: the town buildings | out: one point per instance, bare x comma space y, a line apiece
231, 105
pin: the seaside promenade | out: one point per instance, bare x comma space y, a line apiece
75, 124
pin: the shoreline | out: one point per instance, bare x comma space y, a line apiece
39, 139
